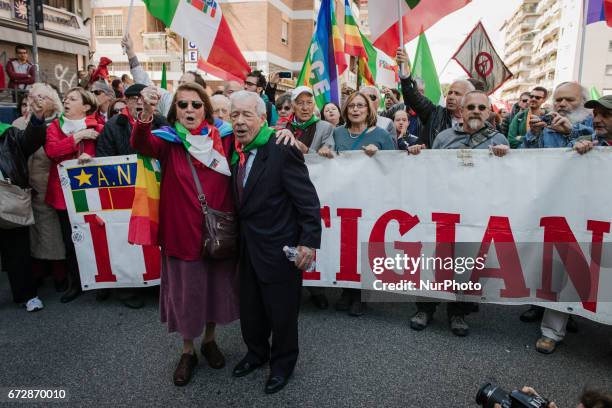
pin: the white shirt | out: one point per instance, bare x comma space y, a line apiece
72, 126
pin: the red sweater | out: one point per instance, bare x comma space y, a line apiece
180, 214
61, 147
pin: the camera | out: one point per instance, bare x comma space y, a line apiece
488, 395
546, 119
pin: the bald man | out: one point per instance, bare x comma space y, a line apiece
435, 118
569, 120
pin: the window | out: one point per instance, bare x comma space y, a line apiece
119, 67
609, 70
285, 32
109, 25
610, 46
156, 65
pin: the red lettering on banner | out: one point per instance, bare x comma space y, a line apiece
510, 270
584, 276
326, 218
376, 247
349, 219
152, 261
445, 242
100, 247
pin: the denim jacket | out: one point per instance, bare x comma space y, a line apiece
550, 138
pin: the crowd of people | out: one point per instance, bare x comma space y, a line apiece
263, 135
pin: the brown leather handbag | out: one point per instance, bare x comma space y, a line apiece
219, 229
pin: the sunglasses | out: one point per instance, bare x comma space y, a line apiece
472, 107
185, 104
524, 100
536, 97
285, 108
117, 111
373, 98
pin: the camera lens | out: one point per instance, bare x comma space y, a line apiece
488, 395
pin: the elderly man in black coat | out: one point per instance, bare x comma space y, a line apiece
277, 206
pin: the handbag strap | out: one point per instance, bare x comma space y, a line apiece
201, 195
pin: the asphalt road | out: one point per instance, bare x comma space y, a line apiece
104, 354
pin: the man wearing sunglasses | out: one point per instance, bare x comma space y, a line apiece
475, 133
520, 123
104, 96
434, 118
521, 105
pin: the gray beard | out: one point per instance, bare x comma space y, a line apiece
579, 115
474, 124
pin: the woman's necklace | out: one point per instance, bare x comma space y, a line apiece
355, 136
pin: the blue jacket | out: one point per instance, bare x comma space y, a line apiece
550, 138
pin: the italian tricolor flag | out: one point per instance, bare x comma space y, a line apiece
202, 22
417, 15
103, 199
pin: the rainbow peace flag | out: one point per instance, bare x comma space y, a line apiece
353, 45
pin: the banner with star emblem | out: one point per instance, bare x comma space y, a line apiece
99, 197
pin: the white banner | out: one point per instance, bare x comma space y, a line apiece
99, 198
538, 222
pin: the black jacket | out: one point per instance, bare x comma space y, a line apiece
505, 125
280, 207
434, 118
114, 140
16, 146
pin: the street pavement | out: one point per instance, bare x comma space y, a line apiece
104, 354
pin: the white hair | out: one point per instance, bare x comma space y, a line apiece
260, 106
375, 89
40, 88
220, 99
584, 93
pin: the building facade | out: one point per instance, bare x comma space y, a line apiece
272, 34
544, 48
519, 35
63, 41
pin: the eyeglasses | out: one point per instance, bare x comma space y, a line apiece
117, 111
249, 83
185, 104
357, 105
524, 100
472, 107
373, 98
285, 108
98, 92
536, 97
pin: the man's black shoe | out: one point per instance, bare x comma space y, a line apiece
245, 367
357, 308
102, 294
572, 325
71, 294
275, 384
533, 314
320, 301
344, 302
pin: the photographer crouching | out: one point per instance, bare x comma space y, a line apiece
492, 396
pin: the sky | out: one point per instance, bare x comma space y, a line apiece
446, 35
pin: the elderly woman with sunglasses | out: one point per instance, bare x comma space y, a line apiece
195, 293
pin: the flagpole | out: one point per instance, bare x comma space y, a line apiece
129, 22
584, 24
401, 28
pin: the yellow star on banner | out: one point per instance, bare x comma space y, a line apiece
83, 178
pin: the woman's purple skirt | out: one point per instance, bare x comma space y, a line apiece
193, 293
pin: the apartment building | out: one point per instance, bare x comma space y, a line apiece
519, 35
63, 41
544, 47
